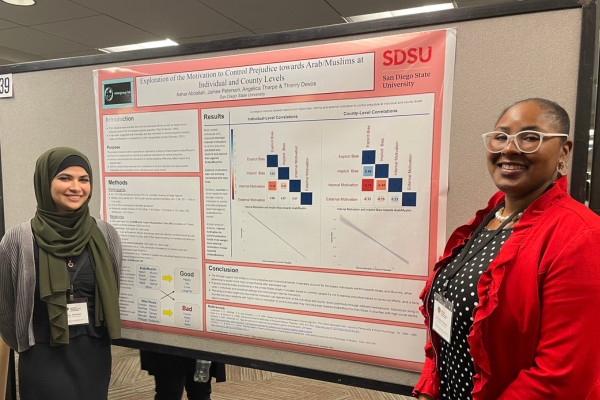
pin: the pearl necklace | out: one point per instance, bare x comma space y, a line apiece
500, 218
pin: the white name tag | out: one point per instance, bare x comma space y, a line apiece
77, 312
442, 317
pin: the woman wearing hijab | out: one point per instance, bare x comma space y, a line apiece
59, 280
511, 306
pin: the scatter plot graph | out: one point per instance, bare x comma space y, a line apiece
349, 224
276, 234
267, 237
363, 242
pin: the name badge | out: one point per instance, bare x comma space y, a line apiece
77, 312
442, 317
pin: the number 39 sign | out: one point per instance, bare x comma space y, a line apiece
6, 85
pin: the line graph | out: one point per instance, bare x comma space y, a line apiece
349, 223
274, 233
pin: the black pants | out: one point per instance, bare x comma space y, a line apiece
170, 387
78, 370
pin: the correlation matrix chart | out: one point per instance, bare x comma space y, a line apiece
291, 199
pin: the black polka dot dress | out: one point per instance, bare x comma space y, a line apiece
454, 361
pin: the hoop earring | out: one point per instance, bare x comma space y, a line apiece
562, 167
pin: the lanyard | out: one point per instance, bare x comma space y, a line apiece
467, 254
72, 280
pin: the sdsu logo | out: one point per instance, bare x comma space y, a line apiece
399, 56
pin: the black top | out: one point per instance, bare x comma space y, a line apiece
84, 287
455, 363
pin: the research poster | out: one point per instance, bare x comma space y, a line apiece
293, 199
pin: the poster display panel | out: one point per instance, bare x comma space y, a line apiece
292, 199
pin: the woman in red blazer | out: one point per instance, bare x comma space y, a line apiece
531, 329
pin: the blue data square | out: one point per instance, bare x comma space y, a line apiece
295, 185
395, 185
368, 156
409, 199
368, 170
284, 173
382, 170
271, 160
306, 199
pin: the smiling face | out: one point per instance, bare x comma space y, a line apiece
70, 188
520, 175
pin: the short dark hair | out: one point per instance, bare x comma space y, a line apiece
557, 115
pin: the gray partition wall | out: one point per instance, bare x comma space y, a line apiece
531, 50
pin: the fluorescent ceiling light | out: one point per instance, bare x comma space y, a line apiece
424, 9
139, 46
398, 13
368, 17
20, 2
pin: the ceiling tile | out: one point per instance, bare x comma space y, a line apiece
4, 62
98, 31
167, 19
36, 42
257, 14
4, 24
350, 8
299, 26
17, 56
210, 38
44, 11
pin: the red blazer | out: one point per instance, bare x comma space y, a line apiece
535, 333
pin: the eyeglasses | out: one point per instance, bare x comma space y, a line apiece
526, 141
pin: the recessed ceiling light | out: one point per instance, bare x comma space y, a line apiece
423, 9
139, 46
20, 2
398, 13
368, 17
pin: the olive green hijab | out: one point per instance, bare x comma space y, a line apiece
60, 236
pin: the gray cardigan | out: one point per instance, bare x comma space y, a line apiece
17, 281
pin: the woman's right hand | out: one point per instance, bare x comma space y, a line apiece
425, 397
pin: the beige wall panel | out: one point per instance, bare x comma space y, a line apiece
498, 61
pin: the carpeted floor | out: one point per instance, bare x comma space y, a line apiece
128, 382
